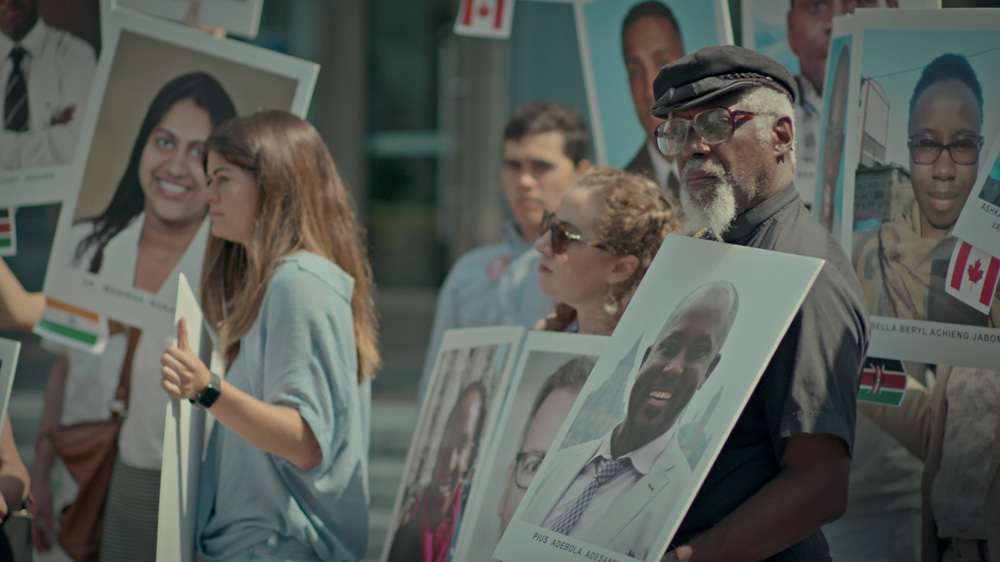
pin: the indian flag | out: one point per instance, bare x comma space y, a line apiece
73, 326
8, 245
882, 382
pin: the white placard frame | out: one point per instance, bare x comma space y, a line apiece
540, 355
443, 390
117, 298
239, 17
682, 265
911, 339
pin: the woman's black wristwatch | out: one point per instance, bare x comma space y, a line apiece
208, 395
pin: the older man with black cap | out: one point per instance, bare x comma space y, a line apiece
783, 471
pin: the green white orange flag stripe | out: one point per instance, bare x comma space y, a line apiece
883, 381
8, 241
73, 326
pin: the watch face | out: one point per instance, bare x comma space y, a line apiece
208, 396
210, 393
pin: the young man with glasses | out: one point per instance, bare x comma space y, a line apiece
903, 263
552, 405
546, 148
783, 471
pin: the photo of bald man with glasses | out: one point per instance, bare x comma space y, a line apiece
903, 263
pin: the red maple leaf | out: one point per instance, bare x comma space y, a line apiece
484, 10
975, 272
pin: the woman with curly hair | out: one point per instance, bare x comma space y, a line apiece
597, 246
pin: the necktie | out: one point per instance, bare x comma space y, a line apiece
15, 102
571, 515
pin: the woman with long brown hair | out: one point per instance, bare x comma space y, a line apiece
597, 246
288, 288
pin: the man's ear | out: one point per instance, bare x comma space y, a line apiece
711, 368
583, 165
783, 136
622, 269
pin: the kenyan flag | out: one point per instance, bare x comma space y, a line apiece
883, 381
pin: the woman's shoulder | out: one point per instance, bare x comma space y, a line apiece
309, 274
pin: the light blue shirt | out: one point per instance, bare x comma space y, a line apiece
300, 353
494, 285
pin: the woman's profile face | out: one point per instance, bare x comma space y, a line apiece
170, 168
233, 197
578, 277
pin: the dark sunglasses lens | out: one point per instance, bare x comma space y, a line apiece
559, 239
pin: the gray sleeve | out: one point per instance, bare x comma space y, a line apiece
812, 381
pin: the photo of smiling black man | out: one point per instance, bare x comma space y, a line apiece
616, 491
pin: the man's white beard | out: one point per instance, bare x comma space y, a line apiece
713, 208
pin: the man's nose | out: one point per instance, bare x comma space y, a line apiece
694, 145
544, 243
675, 365
944, 168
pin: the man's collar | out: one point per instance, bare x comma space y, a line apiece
644, 457
746, 222
513, 237
32, 42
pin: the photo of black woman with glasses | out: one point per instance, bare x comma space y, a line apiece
903, 263
597, 245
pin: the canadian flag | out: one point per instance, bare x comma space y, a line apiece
972, 276
485, 18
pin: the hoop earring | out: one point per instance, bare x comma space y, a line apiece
611, 303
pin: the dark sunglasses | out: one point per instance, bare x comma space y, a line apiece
560, 237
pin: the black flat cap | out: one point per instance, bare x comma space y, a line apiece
713, 71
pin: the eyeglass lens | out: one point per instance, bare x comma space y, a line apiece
964, 150
712, 125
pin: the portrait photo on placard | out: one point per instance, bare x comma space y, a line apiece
48, 56
9, 351
551, 371
239, 17
624, 44
167, 88
830, 183
796, 33
928, 118
453, 431
659, 404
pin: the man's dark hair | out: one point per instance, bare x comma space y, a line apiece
570, 376
651, 9
479, 388
949, 66
549, 117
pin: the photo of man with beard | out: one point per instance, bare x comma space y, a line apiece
426, 531
616, 491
